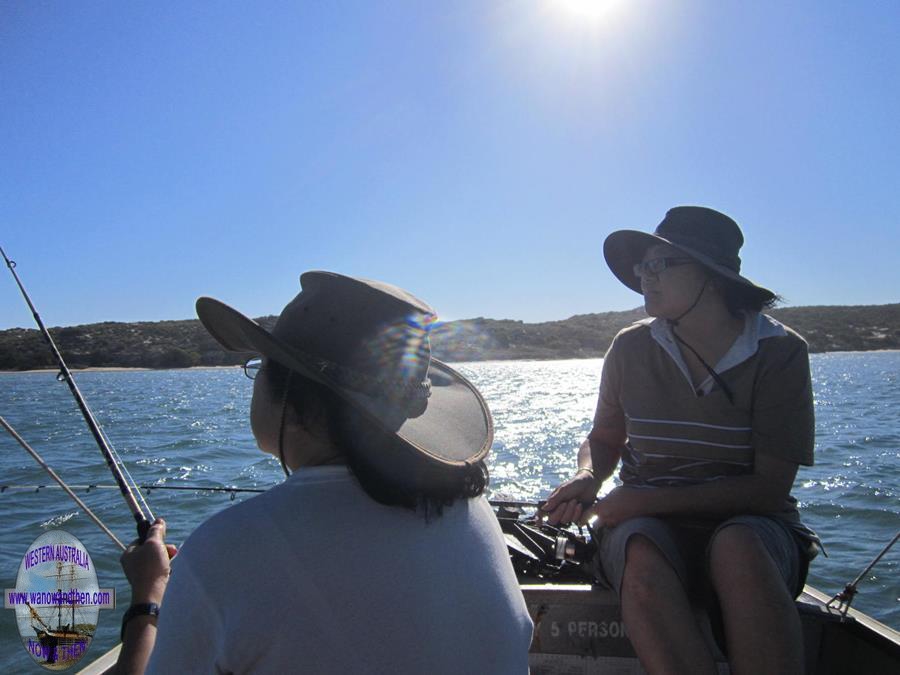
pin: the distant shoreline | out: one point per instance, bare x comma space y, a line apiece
111, 369
184, 344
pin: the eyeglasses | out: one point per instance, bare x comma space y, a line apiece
652, 267
252, 367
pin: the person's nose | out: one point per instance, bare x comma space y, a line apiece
649, 281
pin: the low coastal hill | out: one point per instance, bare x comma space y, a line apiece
181, 344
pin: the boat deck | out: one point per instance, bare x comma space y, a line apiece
579, 631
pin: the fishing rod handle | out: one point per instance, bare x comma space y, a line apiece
143, 527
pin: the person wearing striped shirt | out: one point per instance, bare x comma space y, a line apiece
708, 406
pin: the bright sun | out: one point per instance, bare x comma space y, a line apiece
588, 9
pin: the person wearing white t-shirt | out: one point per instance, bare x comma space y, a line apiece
379, 552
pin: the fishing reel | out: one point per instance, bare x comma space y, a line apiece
544, 553
574, 548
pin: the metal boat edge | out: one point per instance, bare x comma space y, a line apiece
578, 629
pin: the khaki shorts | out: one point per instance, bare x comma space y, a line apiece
685, 544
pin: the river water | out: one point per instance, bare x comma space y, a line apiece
189, 427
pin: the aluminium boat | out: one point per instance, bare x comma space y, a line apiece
578, 627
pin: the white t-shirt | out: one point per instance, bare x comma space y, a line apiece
314, 576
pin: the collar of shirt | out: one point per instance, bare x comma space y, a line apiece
756, 327
325, 472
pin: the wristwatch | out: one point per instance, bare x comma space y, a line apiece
140, 609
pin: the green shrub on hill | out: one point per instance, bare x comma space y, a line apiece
181, 344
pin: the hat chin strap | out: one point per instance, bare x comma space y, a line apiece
709, 369
284, 400
674, 322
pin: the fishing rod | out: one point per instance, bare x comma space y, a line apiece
87, 487
542, 549
148, 487
233, 491
112, 460
62, 483
842, 601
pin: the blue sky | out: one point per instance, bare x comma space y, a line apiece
475, 152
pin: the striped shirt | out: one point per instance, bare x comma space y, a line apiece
679, 434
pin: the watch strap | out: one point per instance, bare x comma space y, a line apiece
140, 609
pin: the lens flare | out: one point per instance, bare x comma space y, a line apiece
463, 341
401, 348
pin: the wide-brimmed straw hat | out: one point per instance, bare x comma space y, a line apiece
709, 237
368, 342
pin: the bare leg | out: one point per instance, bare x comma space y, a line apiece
761, 621
658, 616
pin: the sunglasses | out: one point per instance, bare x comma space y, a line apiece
653, 267
252, 366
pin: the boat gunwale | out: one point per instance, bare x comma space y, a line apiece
816, 602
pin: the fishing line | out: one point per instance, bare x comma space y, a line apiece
133, 482
62, 484
504, 503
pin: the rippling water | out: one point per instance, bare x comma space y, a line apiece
190, 427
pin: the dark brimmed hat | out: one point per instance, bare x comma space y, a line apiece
709, 237
368, 342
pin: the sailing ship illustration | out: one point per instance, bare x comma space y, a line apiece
64, 642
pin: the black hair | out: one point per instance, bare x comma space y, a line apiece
740, 297
405, 478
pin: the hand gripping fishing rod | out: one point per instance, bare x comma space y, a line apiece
143, 521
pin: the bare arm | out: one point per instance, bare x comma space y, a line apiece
598, 455
766, 490
147, 568
603, 447
597, 459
